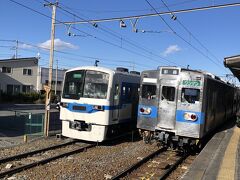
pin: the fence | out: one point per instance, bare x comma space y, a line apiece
17, 123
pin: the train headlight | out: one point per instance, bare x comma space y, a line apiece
190, 116
63, 104
145, 110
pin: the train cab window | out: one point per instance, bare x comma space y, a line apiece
73, 86
149, 91
190, 95
96, 85
168, 93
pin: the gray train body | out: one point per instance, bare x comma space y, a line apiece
180, 106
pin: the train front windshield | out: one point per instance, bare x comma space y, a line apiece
85, 83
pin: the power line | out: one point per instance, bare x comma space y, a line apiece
179, 36
100, 39
155, 14
132, 10
72, 54
191, 34
109, 31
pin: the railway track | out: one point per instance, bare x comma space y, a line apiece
26, 155
158, 165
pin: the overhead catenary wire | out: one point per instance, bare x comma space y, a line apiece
195, 48
128, 49
109, 31
76, 55
154, 14
95, 37
179, 36
136, 10
191, 34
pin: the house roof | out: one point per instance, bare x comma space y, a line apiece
233, 63
19, 59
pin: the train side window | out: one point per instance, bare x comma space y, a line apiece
129, 93
168, 93
124, 91
149, 91
116, 91
190, 95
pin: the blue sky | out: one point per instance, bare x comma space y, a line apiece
217, 29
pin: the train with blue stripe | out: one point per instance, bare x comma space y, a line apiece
98, 103
178, 107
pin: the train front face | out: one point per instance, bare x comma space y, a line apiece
190, 115
170, 106
148, 103
181, 116
85, 103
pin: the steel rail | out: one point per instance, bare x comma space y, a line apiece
173, 167
23, 155
138, 164
44, 161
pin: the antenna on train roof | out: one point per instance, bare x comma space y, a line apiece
96, 63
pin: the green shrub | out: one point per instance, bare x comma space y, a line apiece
20, 98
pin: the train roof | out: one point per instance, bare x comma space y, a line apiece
200, 72
103, 69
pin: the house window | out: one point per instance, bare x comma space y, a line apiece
16, 89
27, 72
10, 89
26, 89
6, 69
13, 89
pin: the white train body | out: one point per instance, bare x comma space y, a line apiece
98, 103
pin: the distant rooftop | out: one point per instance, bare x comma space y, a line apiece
19, 59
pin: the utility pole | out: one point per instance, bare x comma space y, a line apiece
49, 87
16, 50
56, 77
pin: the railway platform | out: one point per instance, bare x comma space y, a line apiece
220, 158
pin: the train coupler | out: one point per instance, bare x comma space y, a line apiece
147, 136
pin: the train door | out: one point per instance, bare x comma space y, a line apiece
167, 104
116, 101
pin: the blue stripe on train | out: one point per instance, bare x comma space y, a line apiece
180, 117
153, 113
89, 107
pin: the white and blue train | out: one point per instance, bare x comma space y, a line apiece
179, 107
99, 103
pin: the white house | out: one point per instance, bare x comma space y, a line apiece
23, 75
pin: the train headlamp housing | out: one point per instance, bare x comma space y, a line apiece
63, 104
190, 116
145, 110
